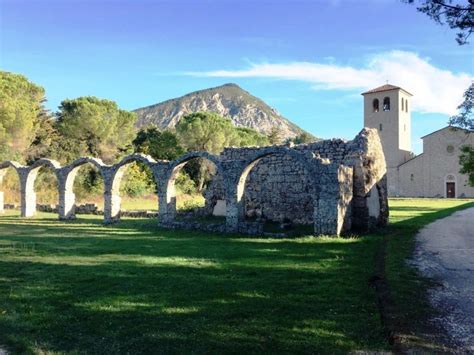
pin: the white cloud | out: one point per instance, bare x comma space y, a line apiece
435, 90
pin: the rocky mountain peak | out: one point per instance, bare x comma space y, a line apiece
228, 100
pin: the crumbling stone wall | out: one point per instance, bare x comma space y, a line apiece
334, 184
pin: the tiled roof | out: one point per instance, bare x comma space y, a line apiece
385, 87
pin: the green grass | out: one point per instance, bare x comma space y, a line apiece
81, 287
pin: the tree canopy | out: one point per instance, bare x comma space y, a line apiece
465, 117
158, 144
206, 131
21, 101
93, 126
457, 15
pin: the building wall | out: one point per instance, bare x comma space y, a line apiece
427, 174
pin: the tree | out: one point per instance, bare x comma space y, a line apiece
302, 138
465, 117
250, 137
93, 126
206, 131
456, 16
158, 144
46, 139
21, 101
274, 137
466, 160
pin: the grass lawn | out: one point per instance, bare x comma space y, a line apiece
133, 288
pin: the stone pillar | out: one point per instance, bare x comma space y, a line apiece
2, 174
28, 195
67, 198
234, 185
332, 212
166, 193
166, 202
112, 200
233, 218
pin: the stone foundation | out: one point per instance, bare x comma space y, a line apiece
335, 185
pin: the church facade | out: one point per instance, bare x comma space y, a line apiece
433, 173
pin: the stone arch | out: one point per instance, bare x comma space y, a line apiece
28, 185
4, 166
167, 189
235, 201
113, 178
66, 177
301, 158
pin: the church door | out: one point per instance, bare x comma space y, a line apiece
450, 190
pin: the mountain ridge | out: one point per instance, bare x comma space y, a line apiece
228, 100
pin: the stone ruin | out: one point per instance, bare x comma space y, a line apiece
335, 185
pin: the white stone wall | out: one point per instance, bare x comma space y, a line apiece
426, 175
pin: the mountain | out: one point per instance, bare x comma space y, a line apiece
229, 100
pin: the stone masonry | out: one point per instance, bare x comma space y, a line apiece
335, 185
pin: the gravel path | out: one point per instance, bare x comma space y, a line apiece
445, 252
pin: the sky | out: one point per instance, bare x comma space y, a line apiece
309, 59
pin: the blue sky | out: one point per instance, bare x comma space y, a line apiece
308, 59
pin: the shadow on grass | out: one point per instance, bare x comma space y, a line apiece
132, 288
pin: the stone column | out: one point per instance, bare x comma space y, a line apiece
332, 212
2, 174
28, 195
234, 215
112, 199
166, 202
67, 198
234, 186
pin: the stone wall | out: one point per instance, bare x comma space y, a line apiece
330, 184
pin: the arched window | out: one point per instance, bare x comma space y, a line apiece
375, 105
386, 104
403, 106
406, 105
380, 127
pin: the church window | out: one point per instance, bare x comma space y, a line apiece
375, 105
406, 105
386, 104
403, 106
380, 127
412, 177
450, 149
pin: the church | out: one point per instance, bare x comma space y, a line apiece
433, 173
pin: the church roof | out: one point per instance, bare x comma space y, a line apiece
452, 128
386, 87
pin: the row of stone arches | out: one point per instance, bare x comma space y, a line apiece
326, 195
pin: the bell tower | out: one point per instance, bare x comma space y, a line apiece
388, 109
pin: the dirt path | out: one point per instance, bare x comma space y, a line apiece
445, 252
